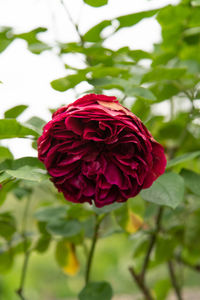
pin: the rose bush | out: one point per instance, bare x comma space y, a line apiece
96, 149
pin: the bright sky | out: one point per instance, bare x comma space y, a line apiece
26, 77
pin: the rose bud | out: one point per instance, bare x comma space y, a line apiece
97, 150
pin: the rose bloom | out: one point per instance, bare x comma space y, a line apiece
97, 150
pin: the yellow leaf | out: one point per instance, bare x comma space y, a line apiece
134, 222
72, 264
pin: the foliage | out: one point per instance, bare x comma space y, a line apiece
155, 221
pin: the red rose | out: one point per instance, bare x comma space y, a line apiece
96, 149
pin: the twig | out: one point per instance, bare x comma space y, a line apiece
174, 280
92, 249
152, 242
140, 278
72, 21
187, 264
178, 85
76, 26
140, 282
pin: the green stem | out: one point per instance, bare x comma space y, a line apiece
92, 249
140, 277
20, 290
152, 242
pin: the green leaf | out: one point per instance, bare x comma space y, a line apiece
121, 215
4, 177
192, 231
128, 220
96, 291
21, 192
43, 243
36, 124
39, 47
195, 2
68, 82
162, 288
100, 71
96, 3
47, 214
7, 225
163, 73
6, 37
167, 190
164, 90
132, 19
14, 112
6, 260
191, 31
183, 158
21, 162
71, 48
140, 245
61, 253
5, 153
78, 211
192, 181
107, 83
34, 44
93, 35
106, 209
141, 109
27, 168
66, 257
139, 54
11, 128
18, 244
28, 173
65, 228
5, 190
163, 243
141, 92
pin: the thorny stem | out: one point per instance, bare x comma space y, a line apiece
174, 280
20, 290
92, 249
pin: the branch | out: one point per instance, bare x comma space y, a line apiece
92, 249
88, 59
72, 21
140, 278
174, 281
152, 242
140, 282
187, 264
